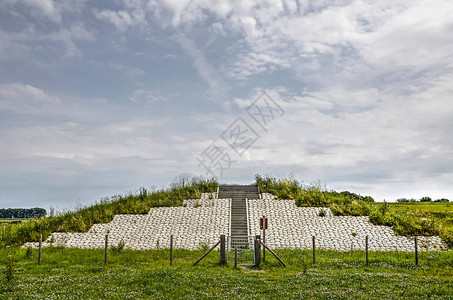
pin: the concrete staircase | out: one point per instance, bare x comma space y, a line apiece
238, 217
238, 192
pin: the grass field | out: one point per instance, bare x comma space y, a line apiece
442, 213
75, 274
424, 206
13, 220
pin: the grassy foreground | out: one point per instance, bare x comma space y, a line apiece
76, 274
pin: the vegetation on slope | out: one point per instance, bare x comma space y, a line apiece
82, 219
403, 221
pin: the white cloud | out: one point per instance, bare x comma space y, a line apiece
398, 142
121, 19
295, 35
146, 97
25, 45
217, 87
43, 10
366, 87
68, 37
384, 34
131, 72
25, 98
417, 37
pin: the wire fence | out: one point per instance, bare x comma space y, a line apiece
245, 249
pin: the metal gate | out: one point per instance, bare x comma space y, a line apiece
245, 246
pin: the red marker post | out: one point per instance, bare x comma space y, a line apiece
263, 226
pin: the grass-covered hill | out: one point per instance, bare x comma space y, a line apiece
404, 220
81, 220
69, 273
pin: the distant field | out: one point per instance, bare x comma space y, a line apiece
424, 206
13, 220
442, 212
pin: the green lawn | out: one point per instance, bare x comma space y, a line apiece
81, 274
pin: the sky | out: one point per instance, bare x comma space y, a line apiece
99, 98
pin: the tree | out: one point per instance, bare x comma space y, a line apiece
402, 200
442, 200
426, 199
22, 213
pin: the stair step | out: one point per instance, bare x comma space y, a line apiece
238, 215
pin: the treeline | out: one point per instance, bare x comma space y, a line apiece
22, 213
423, 199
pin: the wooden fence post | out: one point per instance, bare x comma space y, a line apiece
204, 255
416, 251
273, 253
314, 251
257, 245
366, 249
106, 249
39, 251
171, 249
222, 250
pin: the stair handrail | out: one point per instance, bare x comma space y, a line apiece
247, 215
229, 223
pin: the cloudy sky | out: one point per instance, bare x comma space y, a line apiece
101, 97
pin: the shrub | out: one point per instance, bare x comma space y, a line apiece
354, 196
118, 248
312, 198
286, 188
29, 252
203, 246
9, 270
7, 283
